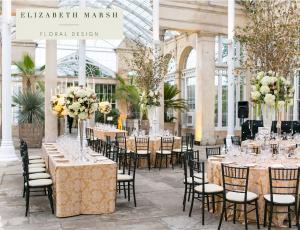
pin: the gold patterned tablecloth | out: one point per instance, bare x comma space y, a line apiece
101, 134
154, 145
258, 183
81, 188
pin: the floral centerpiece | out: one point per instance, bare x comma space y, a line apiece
105, 108
81, 102
148, 100
58, 105
273, 92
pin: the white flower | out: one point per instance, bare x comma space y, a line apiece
61, 101
151, 94
281, 104
83, 116
270, 99
253, 88
266, 80
255, 95
264, 89
260, 75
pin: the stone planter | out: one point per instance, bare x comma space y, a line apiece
32, 134
170, 126
145, 125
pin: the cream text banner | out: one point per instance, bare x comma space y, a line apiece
58, 24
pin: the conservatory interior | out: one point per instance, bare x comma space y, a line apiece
189, 120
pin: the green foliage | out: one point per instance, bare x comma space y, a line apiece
28, 71
99, 117
31, 105
130, 94
171, 102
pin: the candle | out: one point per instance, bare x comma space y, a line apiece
66, 82
51, 92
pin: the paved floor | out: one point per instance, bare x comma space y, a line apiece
159, 206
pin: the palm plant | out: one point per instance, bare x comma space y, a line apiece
171, 102
31, 104
28, 71
130, 93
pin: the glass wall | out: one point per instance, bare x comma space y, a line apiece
106, 92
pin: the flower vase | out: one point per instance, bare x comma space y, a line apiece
80, 132
268, 114
153, 119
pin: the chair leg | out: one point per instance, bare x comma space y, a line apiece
119, 185
192, 203
297, 216
128, 191
184, 196
257, 216
133, 191
172, 162
245, 216
207, 200
190, 190
234, 212
124, 187
149, 163
155, 162
265, 213
213, 202
166, 161
289, 216
270, 216
222, 214
203, 204
160, 161
50, 197
27, 193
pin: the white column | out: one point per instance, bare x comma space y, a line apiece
296, 95
157, 49
81, 54
230, 63
220, 109
7, 150
50, 85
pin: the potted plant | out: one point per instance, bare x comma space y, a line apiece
128, 92
172, 103
30, 117
27, 70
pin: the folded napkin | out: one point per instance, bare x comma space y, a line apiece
250, 165
277, 166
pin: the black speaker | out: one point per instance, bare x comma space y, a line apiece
243, 109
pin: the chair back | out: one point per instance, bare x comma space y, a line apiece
166, 143
212, 151
185, 142
274, 148
191, 139
236, 140
187, 157
121, 141
284, 181
235, 179
197, 172
128, 165
141, 143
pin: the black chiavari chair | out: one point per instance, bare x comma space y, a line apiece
212, 151
166, 147
142, 149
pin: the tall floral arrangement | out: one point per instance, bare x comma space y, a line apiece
272, 90
104, 107
58, 105
81, 102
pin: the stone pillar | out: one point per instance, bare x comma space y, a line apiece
178, 113
205, 88
230, 63
50, 85
81, 56
7, 150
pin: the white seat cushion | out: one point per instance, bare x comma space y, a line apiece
240, 197
40, 182
35, 176
124, 177
280, 198
34, 157
177, 150
36, 165
36, 170
36, 161
120, 171
209, 188
142, 152
164, 152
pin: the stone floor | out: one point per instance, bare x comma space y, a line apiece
159, 206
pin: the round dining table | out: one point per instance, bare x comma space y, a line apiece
258, 175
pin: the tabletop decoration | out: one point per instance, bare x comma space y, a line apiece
58, 106
272, 94
105, 108
81, 103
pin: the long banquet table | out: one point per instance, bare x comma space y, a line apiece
258, 177
81, 187
102, 134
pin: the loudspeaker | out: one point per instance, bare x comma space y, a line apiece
243, 109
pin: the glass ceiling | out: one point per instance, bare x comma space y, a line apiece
137, 15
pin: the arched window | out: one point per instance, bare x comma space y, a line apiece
170, 78
191, 60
